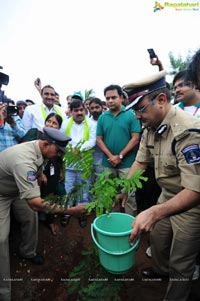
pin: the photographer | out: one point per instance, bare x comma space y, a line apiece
11, 127
4, 80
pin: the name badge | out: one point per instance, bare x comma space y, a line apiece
52, 170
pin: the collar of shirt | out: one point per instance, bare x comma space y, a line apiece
163, 128
109, 112
182, 106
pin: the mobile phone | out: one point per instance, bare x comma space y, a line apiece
151, 53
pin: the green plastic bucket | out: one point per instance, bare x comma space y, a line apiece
116, 254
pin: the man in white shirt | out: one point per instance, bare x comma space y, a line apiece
80, 129
186, 96
35, 115
96, 109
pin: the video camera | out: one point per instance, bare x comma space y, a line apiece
4, 80
12, 110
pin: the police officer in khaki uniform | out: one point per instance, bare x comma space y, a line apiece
171, 139
20, 166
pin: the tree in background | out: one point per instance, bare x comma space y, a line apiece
179, 63
89, 93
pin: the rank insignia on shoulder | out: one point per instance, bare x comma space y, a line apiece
191, 153
31, 176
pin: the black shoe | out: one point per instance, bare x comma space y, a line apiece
82, 221
149, 273
37, 259
65, 220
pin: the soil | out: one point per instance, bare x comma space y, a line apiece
62, 253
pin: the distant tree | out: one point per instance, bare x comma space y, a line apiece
89, 93
179, 63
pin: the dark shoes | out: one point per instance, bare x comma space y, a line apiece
37, 259
65, 220
149, 273
82, 220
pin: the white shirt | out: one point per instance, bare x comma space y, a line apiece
77, 130
97, 154
192, 110
33, 115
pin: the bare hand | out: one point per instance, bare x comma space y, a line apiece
144, 222
3, 113
11, 121
124, 197
38, 84
114, 160
76, 210
156, 62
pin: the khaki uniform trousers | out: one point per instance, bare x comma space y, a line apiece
29, 238
175, 243
131, 205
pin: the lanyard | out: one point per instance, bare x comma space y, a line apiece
195, 111
85, 130
44, 113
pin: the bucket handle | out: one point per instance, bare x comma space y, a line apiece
109, 252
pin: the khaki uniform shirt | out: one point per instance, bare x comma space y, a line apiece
19, 167
175, 151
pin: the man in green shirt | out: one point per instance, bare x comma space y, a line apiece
118, 135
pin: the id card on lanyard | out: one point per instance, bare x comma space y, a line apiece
52, 170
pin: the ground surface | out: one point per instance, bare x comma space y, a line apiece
62, 253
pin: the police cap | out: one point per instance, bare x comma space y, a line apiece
138, 89
55, 136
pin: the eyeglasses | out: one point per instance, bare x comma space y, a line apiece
141, 110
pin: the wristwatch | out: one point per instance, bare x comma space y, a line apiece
121, 156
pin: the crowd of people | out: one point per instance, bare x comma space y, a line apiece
137, 126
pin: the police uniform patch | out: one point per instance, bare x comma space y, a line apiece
192, 153
31, 176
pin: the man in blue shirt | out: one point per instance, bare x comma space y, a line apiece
11, 128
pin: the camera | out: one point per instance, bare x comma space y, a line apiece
12, 111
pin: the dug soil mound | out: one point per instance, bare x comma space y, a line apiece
63, 253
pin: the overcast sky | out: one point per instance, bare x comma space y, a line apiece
88, 44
